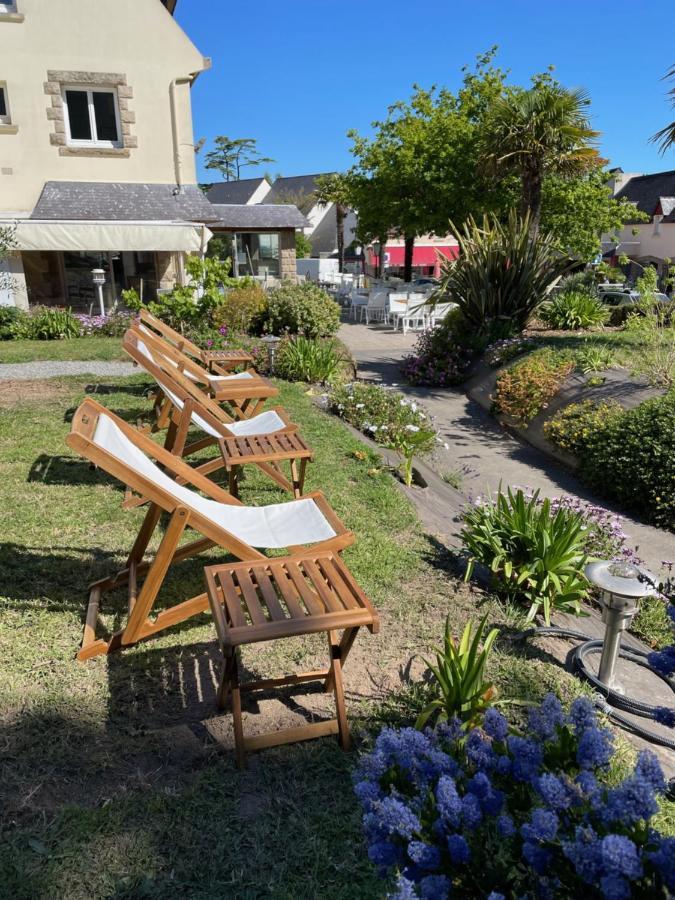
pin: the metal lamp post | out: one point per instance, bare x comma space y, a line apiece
271, 342
98, 277
377, 247
621, 585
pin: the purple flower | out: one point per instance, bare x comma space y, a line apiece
424, 855
471, 811
595, 748
479, 785
405, 890
582, 714
545, 719
495, 725
527, 757
458, 849
619, 854
384, 854
448, 800
649, 768
554, 791
664, 861
391, 817
543, 826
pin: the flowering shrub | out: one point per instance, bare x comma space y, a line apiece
302, 309
496, 814
571, 427
504, 351
113, 325
534, 552
241, 309
439, 357
388, 417
526, 388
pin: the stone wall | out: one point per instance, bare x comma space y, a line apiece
287, 267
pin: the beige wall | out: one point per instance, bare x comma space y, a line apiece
649, 240
136, 38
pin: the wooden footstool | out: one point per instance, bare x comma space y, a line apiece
221, 362
281, 598
267, 451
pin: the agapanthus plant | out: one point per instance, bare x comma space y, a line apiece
496, 813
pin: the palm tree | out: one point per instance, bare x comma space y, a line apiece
666, 137
335, 188
542, 130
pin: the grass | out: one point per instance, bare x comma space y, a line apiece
118, 777
84, 348
625, 345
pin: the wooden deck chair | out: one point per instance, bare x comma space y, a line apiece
245, 392
189, 406
222, 362
220, 519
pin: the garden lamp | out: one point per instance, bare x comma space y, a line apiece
98, 277
271, 342
621, 585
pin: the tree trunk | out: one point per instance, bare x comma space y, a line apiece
380, 263
408, 258
340, 226
532, 178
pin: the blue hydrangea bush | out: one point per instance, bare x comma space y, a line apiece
498, 814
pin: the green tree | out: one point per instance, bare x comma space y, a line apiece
577, 211
665, 138
303, 245
231, 155
539, 132
335, 188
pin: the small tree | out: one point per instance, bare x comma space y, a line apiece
665, 138
231, 155
303, 245
335, 189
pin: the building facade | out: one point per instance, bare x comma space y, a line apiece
97, 161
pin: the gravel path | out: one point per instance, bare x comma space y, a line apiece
53, 368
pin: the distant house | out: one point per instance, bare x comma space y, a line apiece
647, 243
428, 252
97, 162
244, 191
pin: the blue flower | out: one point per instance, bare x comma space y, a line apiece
582, 714
479, 785
471, 811
448, 801
493, 895
665, 716
391, 817
663, 661
630, 801
495, 725
664, 861
458, 849
554, 791
587, 782
595, 748
544, 720
434, 887
505, 826
584, 854
493, 803
368, 792
543, 826
426, 856
620, 855
478, 749
614, 887
450, 731
527, 757
405, 890
503, 765
384, 854
649, 768
536, 856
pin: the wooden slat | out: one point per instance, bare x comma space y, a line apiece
311, 601
350, 581
232, 600
251, 598
269, 595
291, 735
336, 581
332, 602
288, 590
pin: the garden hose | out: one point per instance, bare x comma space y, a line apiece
610, 701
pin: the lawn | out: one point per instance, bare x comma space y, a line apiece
84, 348
118, 777
626, 345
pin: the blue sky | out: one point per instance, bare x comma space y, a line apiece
297, 75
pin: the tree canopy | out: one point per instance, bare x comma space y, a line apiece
231, 155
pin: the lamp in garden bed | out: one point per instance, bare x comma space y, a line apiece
98, 277
621, 586
271, 342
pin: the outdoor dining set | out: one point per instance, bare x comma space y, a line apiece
254, 598
406, 309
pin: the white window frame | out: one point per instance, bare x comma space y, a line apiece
7, 118
90, 90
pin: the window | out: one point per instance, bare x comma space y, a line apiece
7, 6
92, 117
5, 118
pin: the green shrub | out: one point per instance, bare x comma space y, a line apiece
47, 323
535, 554
502, 272
302, 309
442, 354
594, 357
580, 281
314, 361
572, 310
10, 319
242, 309
572, 427
631, 458
526, 388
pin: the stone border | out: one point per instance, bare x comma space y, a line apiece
53, 87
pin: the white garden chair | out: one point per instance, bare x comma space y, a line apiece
438, 312
357, 301
376, 307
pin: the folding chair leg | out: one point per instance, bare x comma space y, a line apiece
338, 690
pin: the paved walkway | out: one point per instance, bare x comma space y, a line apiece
483, 452
54, 368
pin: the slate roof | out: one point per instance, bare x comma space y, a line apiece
647, 190
267, 216
239, 191
298, 189
113, 201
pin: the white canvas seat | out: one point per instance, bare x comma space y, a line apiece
206, 378
376, 307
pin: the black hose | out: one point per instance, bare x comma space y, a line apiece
611, 701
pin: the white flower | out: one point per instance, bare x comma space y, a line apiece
413, 406
403, 402
360, 405
412, 428
372, 428
446, 446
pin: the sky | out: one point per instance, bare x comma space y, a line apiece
298, 74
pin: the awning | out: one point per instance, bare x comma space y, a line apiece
422, 256
32, 234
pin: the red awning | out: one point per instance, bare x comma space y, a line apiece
422, 256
